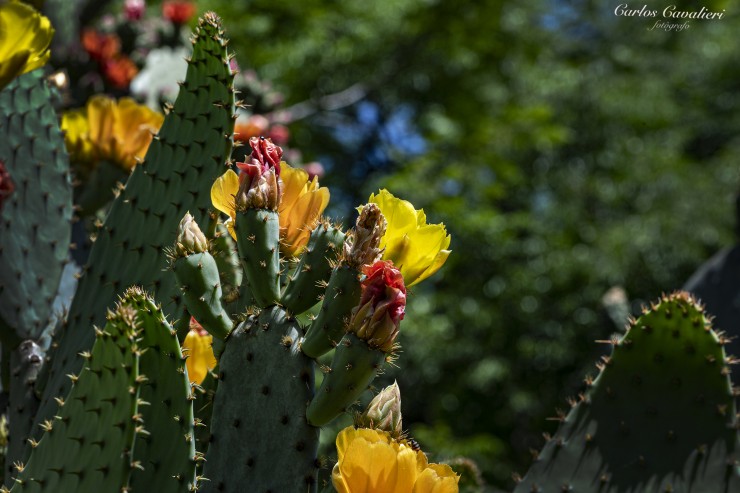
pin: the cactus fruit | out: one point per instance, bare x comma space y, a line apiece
198, 278
264, 383
660, 416
182, 162
258, 236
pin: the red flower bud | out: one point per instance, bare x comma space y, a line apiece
382, 306
259, 180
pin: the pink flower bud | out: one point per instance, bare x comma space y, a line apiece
133, 10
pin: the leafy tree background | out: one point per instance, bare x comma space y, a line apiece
567, 150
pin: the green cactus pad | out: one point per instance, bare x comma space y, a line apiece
341, 296
88, 446
354, 366
223, 249
182, 162
258, 236
167, 451
304, 288
260, 440
204, 394
659, 418
35, 219
197, 276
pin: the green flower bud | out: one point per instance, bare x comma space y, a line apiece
190, 239
384, 412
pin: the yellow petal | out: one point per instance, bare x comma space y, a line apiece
437, 478
101, 117
200, 355
294, 185
223, 192
400, 215
301, 205
371, 461
25, 36
416, 248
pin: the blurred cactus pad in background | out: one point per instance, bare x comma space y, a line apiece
211, 282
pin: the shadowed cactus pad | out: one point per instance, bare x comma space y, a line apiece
659, 418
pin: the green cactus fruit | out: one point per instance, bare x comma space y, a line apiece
166, 453
264, 386
660, 417
354, 366
88, 447
35, 207
258, 236
197, 275
305, 288
341, 296
182, 162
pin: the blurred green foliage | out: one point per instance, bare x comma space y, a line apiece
568, 150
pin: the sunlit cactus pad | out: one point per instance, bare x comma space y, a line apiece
660, 417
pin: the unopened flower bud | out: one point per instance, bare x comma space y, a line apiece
384, 412
361, 244
190, 239
260, 185
382, 306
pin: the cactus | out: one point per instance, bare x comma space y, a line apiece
128, 420
659, 417
183, 160
35, 230
264, 385
117, 412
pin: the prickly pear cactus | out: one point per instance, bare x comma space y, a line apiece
36, 214
89, 445
660, 417
181, 164
264, 385
127, 424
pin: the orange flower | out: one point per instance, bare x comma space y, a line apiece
120, 71
178, 11
99, 46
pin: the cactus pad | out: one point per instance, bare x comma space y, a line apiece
182, 162
660, 417
260, 440
35, 207
88, 447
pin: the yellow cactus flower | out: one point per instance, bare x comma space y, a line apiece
416, 248
223, 197
117, 131
371, 461
302, 204
25, 36
197, 347
300, 207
